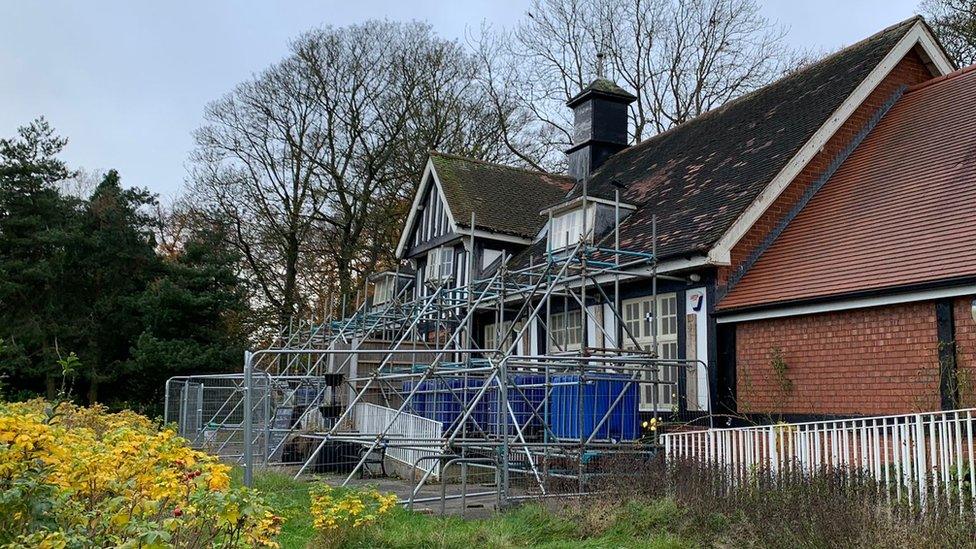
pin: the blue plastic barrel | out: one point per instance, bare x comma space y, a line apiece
525, 395
419, 403
596, 396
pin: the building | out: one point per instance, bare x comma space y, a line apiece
814, 241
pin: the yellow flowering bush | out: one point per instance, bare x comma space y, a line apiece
80, 477
338, 513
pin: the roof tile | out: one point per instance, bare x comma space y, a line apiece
700, 176
900, 211
504, 199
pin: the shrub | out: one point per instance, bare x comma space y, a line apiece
826, 508
82, 477
339, 514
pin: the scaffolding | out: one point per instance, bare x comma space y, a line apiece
406, 385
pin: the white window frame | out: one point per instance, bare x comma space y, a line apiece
383, 289
440, 264
566, 329
491, 333
566, 228
637, 316
506, 328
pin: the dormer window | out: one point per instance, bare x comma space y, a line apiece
440, 264
383, 290
567, 227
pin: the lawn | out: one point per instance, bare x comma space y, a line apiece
811, 512
290, 500
658, 524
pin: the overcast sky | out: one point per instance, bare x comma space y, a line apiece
127, 81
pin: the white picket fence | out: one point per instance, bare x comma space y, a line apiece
915, 456
405, 430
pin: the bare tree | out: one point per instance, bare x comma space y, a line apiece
313, 163
387, 93
679, 57
173, 226
253, 171
954, 23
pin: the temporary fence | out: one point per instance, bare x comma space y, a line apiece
209, 411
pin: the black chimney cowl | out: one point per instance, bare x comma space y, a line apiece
599, 126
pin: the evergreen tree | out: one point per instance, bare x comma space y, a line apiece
84, 276
117, 259
37, 229
192, 315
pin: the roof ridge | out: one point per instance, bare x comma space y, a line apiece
729, 104
940, 79
496, 164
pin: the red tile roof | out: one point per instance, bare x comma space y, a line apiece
901, 210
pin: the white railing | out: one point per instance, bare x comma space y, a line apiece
409, 436
915, 457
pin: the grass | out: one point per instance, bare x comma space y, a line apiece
825, 510
291, 500
659, 525
527, 526
814, 513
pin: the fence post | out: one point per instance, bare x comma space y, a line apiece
248, 403
166, 403
920, 466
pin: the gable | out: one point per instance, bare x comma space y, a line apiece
430, 221
708, 180
830, 155
897, 213
502, 202
917, 42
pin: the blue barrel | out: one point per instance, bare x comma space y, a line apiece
450, 399
442, 399
596, 397
419, 403
526, 398
483, 415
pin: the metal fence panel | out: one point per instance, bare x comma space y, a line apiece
914, 457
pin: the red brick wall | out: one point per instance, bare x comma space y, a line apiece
910, 70
965, 349
875, 361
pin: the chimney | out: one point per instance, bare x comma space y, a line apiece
599, 125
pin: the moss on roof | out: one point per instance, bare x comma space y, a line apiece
604, 87
699, 177
504, 199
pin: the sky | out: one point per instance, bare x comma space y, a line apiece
127, 82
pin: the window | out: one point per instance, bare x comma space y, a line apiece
492, 332
440, 264
506, 330
567, 227
638, 315
566, 330
383, 289
489, 256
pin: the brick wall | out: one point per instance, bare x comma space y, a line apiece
965, 349
910, 70
875, 361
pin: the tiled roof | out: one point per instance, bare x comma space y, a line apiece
700, 176
900, 211
504, 199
